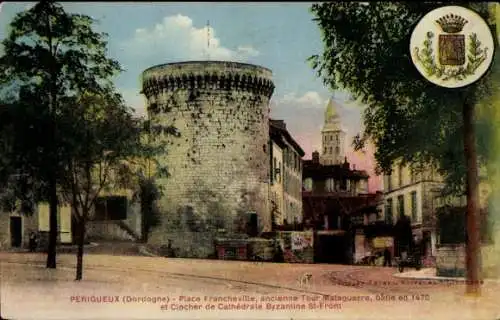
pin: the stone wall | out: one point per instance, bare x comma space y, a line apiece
218, 163
111, 230
261, 249
29, 223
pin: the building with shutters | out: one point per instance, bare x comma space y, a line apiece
285, 177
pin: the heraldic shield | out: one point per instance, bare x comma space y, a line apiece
451, 44
451, 49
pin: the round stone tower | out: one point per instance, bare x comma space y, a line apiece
218, 163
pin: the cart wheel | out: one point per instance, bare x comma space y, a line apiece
401, 268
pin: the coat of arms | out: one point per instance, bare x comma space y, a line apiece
448, 49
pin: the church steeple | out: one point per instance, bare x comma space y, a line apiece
331, 113
333, 137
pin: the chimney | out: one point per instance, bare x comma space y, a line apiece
315, 157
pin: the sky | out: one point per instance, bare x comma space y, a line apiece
278, 36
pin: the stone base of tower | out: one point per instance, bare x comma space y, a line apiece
193, 224
185, 244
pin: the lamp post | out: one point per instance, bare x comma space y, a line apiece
464, 47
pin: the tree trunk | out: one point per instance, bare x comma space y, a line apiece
53, 203
79, 254
473, 247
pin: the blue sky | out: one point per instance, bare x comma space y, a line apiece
278, 36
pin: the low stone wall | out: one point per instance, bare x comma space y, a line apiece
190, 244
261, 249
106, 230
450, 261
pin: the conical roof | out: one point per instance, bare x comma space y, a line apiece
331, 111
332, 118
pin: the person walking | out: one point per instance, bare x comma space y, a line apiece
387, 258
33, 241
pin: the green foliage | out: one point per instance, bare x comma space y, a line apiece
452, 225
55, 78
101, 135
149, 193
50, 58
366, 52
48, 45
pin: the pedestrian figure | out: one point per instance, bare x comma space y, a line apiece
170, 249
33, 241
387, 257
278, 252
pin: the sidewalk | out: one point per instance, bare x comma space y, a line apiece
430, 275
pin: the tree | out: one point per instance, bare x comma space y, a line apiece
148, 194
103, 136
366, 51
18, 187
53, 55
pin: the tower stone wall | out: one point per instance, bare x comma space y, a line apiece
218, 164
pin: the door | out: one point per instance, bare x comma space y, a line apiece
16, 236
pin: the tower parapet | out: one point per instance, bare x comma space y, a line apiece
213, 75
219, 164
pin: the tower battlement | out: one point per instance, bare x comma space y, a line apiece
211, 75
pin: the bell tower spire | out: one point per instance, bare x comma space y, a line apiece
333, 137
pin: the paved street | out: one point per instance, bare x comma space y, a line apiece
124, 287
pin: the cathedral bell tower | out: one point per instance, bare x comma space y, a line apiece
333, 137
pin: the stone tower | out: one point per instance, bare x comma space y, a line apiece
333, 137
218, 165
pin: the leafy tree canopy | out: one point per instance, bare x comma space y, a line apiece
366, 52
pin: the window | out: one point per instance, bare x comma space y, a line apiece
337, 138
253, 225
330, 185
389, 182
412, 175
331, 138
400, 175
414, 217
324, 151
343, 184
278, 173
337, 150
401, 205
388, 212
111, 208
330, 150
